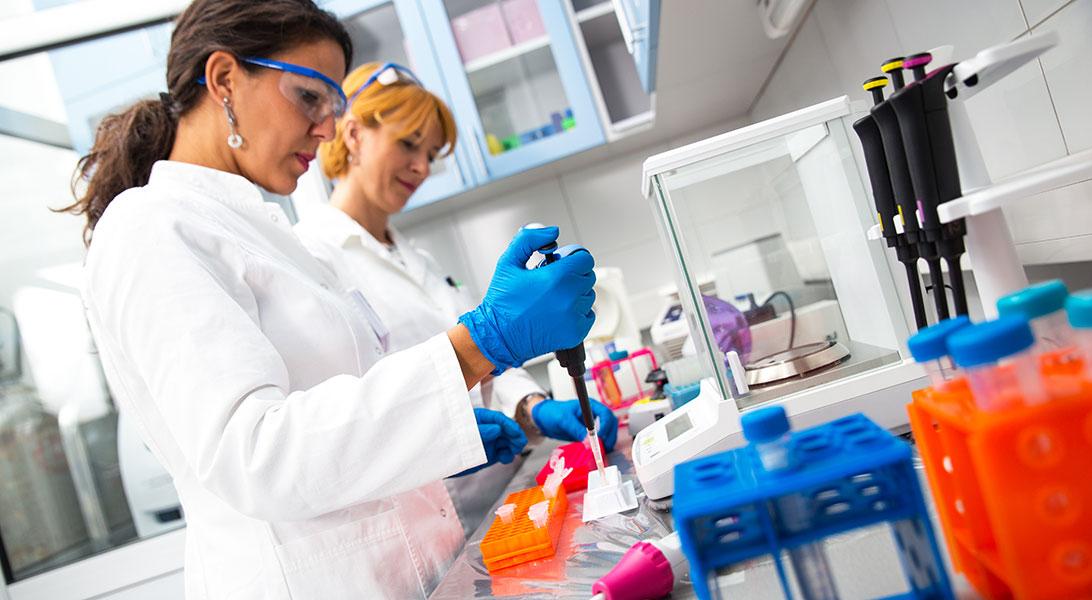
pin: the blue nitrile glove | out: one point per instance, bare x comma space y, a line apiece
562, 420
502, 437
529, 312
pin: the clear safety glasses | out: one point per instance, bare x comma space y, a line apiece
387, 74
315, 95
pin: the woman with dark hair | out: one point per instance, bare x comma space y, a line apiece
307, 462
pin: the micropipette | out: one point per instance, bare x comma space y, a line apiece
572, 359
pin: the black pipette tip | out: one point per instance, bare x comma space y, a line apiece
917, 63
893, 67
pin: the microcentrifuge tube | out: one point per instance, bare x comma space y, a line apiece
506, 512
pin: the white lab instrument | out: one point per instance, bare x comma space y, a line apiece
842, 353
646, 412
153, 500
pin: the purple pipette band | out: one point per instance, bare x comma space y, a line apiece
918, 61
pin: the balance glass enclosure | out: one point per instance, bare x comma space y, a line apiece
767, 228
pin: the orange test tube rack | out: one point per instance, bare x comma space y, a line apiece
1013, 486
509, 544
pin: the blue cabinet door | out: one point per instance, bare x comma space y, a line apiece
640, 22
394, 30
520, 92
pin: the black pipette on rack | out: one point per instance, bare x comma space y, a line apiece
572, 360
886, 208
922, 111
903, 186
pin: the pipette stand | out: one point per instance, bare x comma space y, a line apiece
1011, 485
989, 242
851, 474
991, 250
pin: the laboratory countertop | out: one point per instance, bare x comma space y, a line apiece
864, 561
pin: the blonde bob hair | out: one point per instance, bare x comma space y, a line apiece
406, 106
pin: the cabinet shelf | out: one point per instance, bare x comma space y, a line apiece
594, 12
496, 58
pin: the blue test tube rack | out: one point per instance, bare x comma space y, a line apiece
848, 474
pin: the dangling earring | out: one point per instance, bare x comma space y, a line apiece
234, 140
350, 158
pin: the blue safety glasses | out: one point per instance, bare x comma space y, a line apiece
315, 95
387, 74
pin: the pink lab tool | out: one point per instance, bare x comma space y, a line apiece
647, 570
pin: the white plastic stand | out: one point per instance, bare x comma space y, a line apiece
608, 495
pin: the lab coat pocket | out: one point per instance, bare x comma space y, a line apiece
368, 558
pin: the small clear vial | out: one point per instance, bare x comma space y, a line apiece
1043, 305
506, 512
768, 431
929, 347
1001, 366
1079, 309
539, 513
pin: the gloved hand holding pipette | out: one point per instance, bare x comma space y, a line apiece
502, 438
530, 312
562, 420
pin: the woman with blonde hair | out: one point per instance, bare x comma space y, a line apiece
392, 133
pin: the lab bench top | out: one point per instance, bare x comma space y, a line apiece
865, 562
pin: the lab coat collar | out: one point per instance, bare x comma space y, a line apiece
233, 190
339, 227
343, 230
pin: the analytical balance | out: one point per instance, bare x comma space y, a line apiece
776, 213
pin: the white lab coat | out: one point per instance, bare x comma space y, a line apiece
416, 300
308, 464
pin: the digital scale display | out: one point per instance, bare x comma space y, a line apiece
678, 426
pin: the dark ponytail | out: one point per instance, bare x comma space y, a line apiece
128, 143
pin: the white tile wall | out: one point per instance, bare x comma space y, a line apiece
607, 205
1035, 11
805, 76
1015, 123
849, 25
1067, 72
486, 228
968, 25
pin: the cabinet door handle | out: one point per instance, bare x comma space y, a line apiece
623, 24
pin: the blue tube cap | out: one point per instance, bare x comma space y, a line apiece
619, 354
991, 341
931, 343
765, 424
1079, 308
1036, 301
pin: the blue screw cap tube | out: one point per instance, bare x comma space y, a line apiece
769, 432
930, 348
997, 356
1043, 304
1079, 309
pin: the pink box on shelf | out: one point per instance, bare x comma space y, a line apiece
524, 20
480, 32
